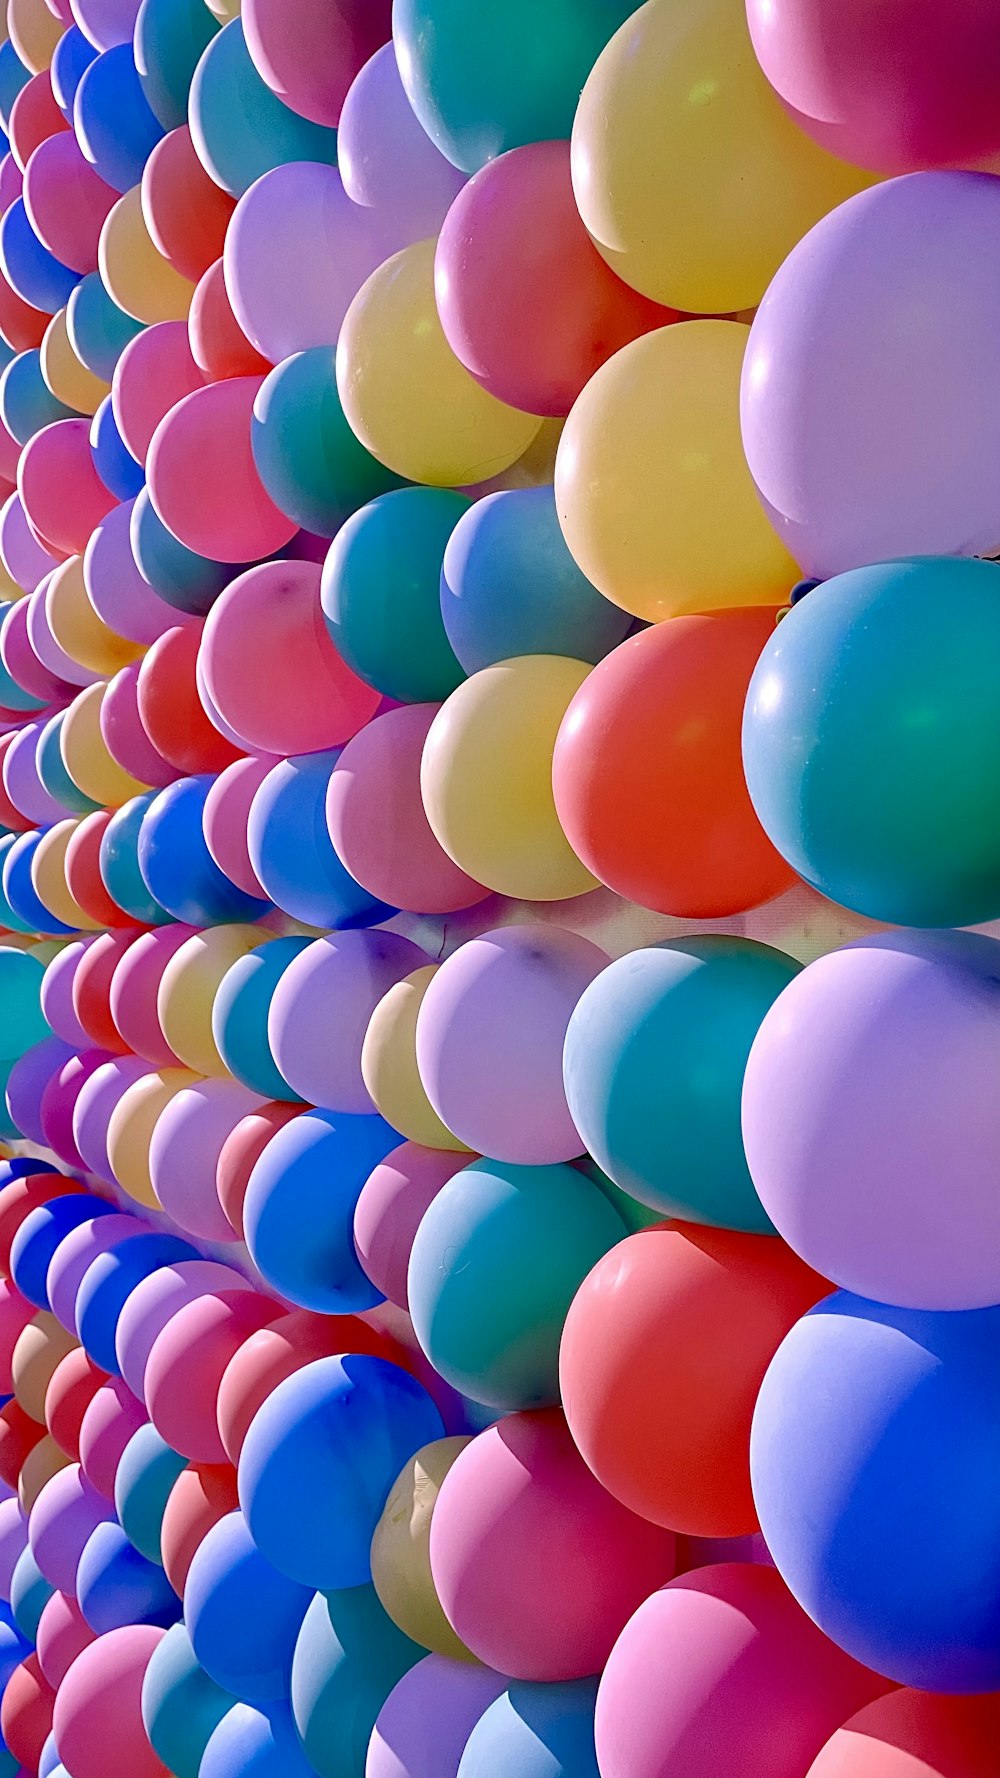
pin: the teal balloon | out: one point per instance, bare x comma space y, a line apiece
146, 1473
240, 129
499, 1255
26, 402
535, 1731
239, 1016
13, 77
187, 581
634, 1215
170, 38
98, 329
348, 1657
22, 1021
9, 1131
30, 1593
52, 773
381, 594
483, 79
8, 918
310, 461
653, 1068
181, 1706
871, 740
119, 862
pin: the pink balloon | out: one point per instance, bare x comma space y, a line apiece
184, 1153
309, 699
66, 201
21, 780
215, 718
22, 555
63, 1633
112, 1417
59, 1103
203, 481
75, 1254
134, 988
10, 450
11, 183
57, 994
99, 1703
63, 495
106, 23
124, 736
386, 159
224, 819
320, 1057
309, 51
377, 822
52, 657
722, 1671
116, 589
389, 1210
155, 371
155, 1301
65, 1513
21, 661
61, 9
33, 118
13, 1540
186, 1366
95, 1103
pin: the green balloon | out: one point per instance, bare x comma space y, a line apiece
381, 594
348, 1657
181, 1706
239, 127
170, 37
309, 460
22, 1021
148, 1469
487, 75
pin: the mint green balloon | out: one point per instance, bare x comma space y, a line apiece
348, 1657
181, 1706
239, 128
487, 75
307, 456
144, 1479
22, 1021
170, 37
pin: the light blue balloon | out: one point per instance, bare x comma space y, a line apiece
242, 1615
535, 1731
251, 1743
187, 581
13, 77
26, 402
170, 37
239, 1016
181, 1706
119, 863
98, 329
30, 1593
112, 120
71, 58
146, 1473
116, 1586
121, 474
240, 129
37, 276
292, 853
349, 1656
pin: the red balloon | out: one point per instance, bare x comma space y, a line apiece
155, 371
34, 117
171, 711
20, 1198
9, 815
21, 325
19, 1434
26, 1713
11, 182
648, 770
184, 210
241, 1152
66, 201
62, 493
83, 871
910, 1734
92, 987
512, 239
274, 1352
219, 346
203, 1494
15, 1313
203, 480
73, 1385
187, 1363
63, 1633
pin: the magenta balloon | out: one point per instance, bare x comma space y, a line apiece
57, 993
134, 987
869, 440
320, 1056
22, 555
78, 1251
22, 783
124, 735
386, 159
59, 1102
95, 1103
21, 661
106, 23
11, 183
45, 645
112, 1416
184, 1153
308, 51
299, 214
490, 1035
62, 1634
13, 1540
225, 816
66, 201
389, 1211
27, 1081
422, 1727
65, 1513
155, 1301
116, 589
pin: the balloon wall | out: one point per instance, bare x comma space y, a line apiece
499, 889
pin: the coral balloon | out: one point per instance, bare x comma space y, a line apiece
201, 1496
187, 1362
153, 373
170, 709
214, 422
219, 346
183, 209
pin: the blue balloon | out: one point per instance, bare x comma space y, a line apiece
31, 270
30, 1593
26, 402
251, 1743
240, 128
71, 58
320, 1458
176, 865
121, 474
292, 853
40, 1234
187, 581
509, 586
874, 1453
110, 1280
535, 1731
242, 1616
8, 917
181, 1706
23, 1167
98, 329
51, 769
298, 1214
111, 116
239, 1016
146, 1473
119, 863
19, 889
14, 1646
116, 1586
349, 1656
13, 76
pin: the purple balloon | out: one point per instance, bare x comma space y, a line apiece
95, 1102
155, 1301
22, 783
871, 1118
21, 661
320, 1010
66, 1512
59, 1102
116, 589
184, 1153
76, 1253
24, 559
422, 1727
47, 648
13, 1540
386, 159
869, 419
28, 1080
57, 993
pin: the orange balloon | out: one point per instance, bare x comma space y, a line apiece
916, 1735
202, 1495
648, 770
133, 271
663, 1353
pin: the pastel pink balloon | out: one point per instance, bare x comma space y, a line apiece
65, 1513
394, 854
52, 657
308, 51
116, 589
62, 10
124, 736
63, 495
215, 717
134, 987
309, 699
10, 450
21, 661
201, 449
13, 1540
320, 1057
21, 780
63, 1633
66, 201
57, 993
11, 183
155, 371
187, 1363
389, 1210
59, 1103
95, 1103
106, 23
22, 555
386, 159
225, 815
184, 1153
99, 1703
112, 1417
155, 1301
75, 1254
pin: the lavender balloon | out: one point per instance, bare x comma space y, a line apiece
95, 1102
66, 1512
13, 1540
57, 993
871, 1118
422, 1727
22, 555
870, 420
116, 589
386, 159
76, 1254
28, 1080
21, 780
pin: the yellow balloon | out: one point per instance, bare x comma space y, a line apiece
85, 754
389, 1064
652, 488
188, 987
64, 374
405, 394
690, 176
486, 778
226, 10
400, 1557
39, 1347
48, 877
130, 1127
34, 31
10, 592
78, 630
40, 1465
135, 275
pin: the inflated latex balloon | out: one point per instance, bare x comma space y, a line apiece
85, 752
120, 472
309, 52
942, 1735
26, 1081
181, 1705
240, 1153
170, 37
186, 1364
218, 344
99, 1704
57, 994
348, 1658
26, 1714
263, 1741
68, 1510
401, 1569
74, 1257
30, 1592
153, 1303
22, 1022
63, 1633
39, 1348
520, 1495
357, 968
25, 789
427, 1718
105, 23
133, 991
119, 863
185, 581
184, 1150
66, 201
73, 620
239, 1016
386, 159
532, 1730
486, 778
83, 872
26, 405
102, 1293
19, 1435
113, 123
239, 128
171, 710
136, 275
214, 420
64, 372
176, 865
73, 53
243, 1617
35, 275
115, 587
34, 118
117, 1586
48, 876
225, 817
202, 1495
393, 1201
278, 1350
154, 372
410, 401
97, 328
96, 1101
389, 1064
14, 73
292, 854
22, 326
34, 32
188, 986
37, 1238
124, 735
184, 210
145, 1476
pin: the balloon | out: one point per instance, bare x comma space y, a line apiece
97, 1099
308, 52
393, 1200
263, 1742
480, 87
311, 700
72, 54
153, 1303
291, 852
239, 1016
39, 1235
225, 817
517, 1501
85, 752
83, 871
115, 587
22, 1022
34, 274
116, 1586
65, 1515
243, 1617
106, 22
202, 1495
26, 1713
124, 735
121, 474
389, 1064
240, 1153
26, 405
63, 1633
13, 1538
427, 1718
60, 488
22, 326
64, 373
186, 1364
181, 1705
170, 708
73, 1258
30, 1592
401, 1571
99, 1705
751, 1681
155, 371
341, 1481
184, 1150
26, 791
145, 1476
113, 123
19, 1434
38, 1350
654, 1060
356, 968
14, 74
386, 159
107, 1426
72, 1388
137, 276
176, 865
407, 397
348, 1658
98, 330
66, 201
34, 118
531, 1730
218, 344
943, 1735
119, 860
170, 36
239, 128
107, 1283
275, 1352
486, 778
185, 212
184, 580
21, 660
92, 986
188, 986
214, 422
